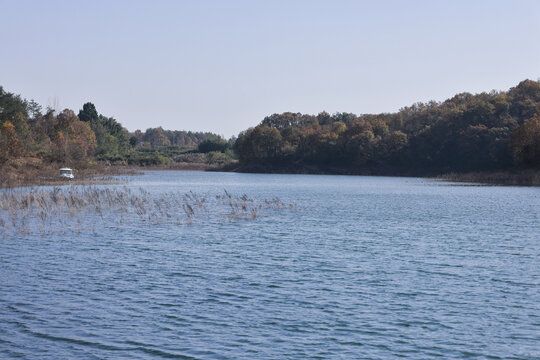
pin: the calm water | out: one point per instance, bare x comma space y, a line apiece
366, 267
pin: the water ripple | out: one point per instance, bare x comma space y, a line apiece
373, 268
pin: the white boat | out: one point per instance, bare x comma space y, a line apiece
66, 173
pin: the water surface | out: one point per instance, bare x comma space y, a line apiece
365, 267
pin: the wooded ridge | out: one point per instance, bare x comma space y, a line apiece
483, 132
495, 131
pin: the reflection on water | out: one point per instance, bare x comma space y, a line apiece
365, 267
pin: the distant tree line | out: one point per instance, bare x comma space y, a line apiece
487, 131
157, 146
26, 130
157, 137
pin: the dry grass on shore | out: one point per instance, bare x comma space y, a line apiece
25, 172
517, 178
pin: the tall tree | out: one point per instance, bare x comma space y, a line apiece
525, 143
88, 113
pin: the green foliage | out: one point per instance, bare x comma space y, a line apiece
88, 113
133, 141
113, 142
11, 106
158, 137
147, 159
216, 157
178, 147
112, 139
213, 144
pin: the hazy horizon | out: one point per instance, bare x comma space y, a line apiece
224, 66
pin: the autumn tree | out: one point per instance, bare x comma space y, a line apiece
156, 137
10, 145
262, 143
467, 132
525, 142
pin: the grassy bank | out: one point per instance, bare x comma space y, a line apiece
511, 177
34, 172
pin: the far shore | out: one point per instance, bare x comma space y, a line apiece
33, 172
507, 178
510, 177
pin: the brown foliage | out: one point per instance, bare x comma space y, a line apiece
10, 145
525, 142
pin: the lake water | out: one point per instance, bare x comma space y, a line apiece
362, 267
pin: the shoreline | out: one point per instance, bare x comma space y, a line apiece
32, 172
27, 172
508, 177
501, 178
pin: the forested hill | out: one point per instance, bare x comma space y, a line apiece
486, 131
46, 136
483, 132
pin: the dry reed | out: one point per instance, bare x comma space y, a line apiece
80, 208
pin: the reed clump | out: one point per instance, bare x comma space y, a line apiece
80, 208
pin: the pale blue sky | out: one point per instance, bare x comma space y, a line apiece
222, 66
